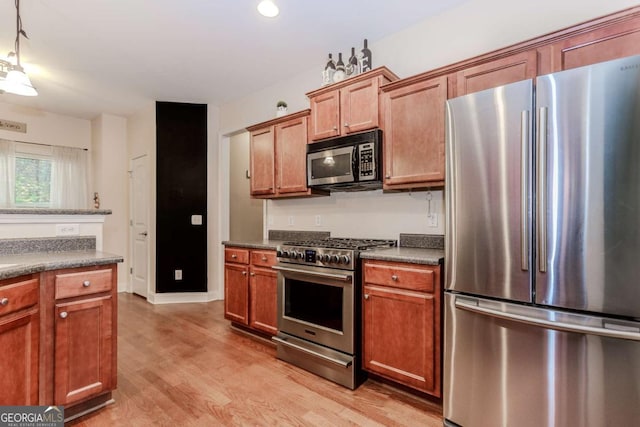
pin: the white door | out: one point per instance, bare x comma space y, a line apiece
139, 221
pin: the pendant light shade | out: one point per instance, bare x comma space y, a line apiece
18, 83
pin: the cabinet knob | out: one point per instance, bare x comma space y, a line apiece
366, 296
264, 258
387, 177
234, 256
394, 278
335, 128
86, 283
4, 301
244, 273
63, 314
252, 274
346, 125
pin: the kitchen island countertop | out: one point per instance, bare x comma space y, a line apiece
18, 265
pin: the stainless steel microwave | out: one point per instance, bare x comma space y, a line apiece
347, 163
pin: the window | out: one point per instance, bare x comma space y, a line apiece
42, 176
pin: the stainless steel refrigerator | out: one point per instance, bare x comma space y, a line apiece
542, 241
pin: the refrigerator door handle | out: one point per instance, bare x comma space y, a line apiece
541, 215
531, 316
524, 191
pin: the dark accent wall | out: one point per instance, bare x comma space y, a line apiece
181, 138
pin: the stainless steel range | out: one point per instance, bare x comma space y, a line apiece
319, 306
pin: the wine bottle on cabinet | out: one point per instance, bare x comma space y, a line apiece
340, 73
352, 65
329, 70
366, 57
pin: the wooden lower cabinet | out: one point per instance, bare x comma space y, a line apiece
250, 286
83, 349
402, 323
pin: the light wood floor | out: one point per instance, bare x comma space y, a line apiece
182, 365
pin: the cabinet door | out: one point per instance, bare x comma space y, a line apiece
401, 337
325, 115
513, 68
603, 44
19, 338
263, 313
414, 135
359, 106
261, 161
83, 349
236, 293
291, 155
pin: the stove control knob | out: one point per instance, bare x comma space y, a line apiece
285, 254
345, 259
335, 258
298, 255
279, 253
324, 258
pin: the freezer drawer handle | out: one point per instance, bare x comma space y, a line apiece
313, 353
473, 305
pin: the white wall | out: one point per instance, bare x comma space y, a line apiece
110, 180
469, 29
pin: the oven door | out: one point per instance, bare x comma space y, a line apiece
332, 166
316, 304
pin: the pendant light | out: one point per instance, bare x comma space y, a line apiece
13, 79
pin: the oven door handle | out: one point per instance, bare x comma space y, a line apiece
343, 277
343, 364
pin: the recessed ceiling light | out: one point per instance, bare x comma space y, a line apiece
268, 8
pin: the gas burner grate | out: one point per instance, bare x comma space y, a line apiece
344, 243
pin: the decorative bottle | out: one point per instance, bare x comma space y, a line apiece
329, 70
366, 57
340, 73
352, 65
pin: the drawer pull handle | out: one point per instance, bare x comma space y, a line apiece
394, 278
234, 256
86, 283
63, 314
4, 301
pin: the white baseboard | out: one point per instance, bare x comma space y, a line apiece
179, 297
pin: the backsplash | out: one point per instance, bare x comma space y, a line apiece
369, 214
297, 235
47, 244
426, 241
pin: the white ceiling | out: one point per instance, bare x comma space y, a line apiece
86, 57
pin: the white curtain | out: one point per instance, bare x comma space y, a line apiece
7, 172
69, 178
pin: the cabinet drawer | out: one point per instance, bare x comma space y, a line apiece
263, 258
82, 283
404, 276
19, 295
237, 255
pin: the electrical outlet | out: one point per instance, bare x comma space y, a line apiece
291, 220
318, 220
177, 274
432, 220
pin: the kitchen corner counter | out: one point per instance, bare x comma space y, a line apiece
18, 265
254, 244
406, 254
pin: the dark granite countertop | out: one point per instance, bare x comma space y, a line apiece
18, 265
405, 254
255, 244
41, 211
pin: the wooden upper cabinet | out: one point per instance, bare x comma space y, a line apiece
291, 156
278, 157
618, 39
348, 106
262, 161
414, 133
510, 69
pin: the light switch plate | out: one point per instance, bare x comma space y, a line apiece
196, 219
432, 220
